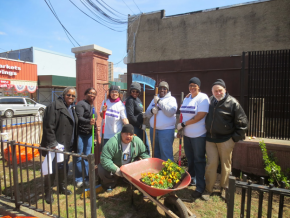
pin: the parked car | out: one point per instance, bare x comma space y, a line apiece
10, 106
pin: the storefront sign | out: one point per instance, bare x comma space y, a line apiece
5, 84
8, 70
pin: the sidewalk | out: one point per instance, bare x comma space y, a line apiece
6, 209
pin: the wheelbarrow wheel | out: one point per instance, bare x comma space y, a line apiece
176, 206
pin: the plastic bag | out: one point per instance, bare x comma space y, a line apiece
22, 153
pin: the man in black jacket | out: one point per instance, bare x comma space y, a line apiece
59, 127
226, 124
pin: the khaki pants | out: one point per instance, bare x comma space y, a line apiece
214, 152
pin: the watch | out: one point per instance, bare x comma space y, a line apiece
183, 124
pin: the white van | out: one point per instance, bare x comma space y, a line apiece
10, 106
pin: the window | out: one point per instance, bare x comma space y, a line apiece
12, 101
29, 101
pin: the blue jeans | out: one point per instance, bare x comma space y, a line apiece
85, 147
139, 133
195, 153
163, 143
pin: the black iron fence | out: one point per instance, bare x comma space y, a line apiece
269, 94
247, 188
22, 181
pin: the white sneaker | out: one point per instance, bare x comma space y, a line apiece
79, 184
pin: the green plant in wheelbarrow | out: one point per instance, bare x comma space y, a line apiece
273, 170
170, 175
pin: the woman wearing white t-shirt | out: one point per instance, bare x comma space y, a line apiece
115, 113
194, 110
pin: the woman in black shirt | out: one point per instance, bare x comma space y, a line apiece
84, 110
134, 108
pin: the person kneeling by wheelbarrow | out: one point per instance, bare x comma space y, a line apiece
123, 148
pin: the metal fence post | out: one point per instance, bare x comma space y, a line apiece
231, 197
92, 178
15, 176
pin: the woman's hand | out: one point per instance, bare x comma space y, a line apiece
104, 108
93, 121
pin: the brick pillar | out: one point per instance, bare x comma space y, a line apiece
92, 71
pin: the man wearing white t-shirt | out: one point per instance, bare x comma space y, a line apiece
194, 110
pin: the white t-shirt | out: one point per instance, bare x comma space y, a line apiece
113, 122
164, 121
189, 108
126, 148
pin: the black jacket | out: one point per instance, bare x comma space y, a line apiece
58, 127
134, 109
84, 112
225, 120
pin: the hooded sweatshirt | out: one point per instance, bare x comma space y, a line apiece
166, 116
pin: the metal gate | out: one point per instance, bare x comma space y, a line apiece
269, 94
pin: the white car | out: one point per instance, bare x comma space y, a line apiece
10, 106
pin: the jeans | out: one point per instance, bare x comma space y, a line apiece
139, 133
85, 147
195, 153
163, 143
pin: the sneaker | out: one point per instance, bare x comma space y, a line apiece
205, 195
193, 181
79, 184
196, 194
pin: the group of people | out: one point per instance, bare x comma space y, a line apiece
210, 128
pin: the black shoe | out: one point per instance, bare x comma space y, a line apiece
63, 190
48, 198
196, 194
48, 190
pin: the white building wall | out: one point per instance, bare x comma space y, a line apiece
53, 63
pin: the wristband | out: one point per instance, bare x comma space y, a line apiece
183, 124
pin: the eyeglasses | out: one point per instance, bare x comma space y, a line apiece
193, 86
114, 92
162, 88
70, 95
92, 93
135, 91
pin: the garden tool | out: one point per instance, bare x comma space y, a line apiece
104, 118
181, 132
93, 133
154, 129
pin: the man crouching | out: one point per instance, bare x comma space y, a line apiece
121, 149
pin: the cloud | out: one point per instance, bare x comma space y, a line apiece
2, 33
119, 70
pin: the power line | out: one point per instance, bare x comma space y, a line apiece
137, 6
128, 6
65, 30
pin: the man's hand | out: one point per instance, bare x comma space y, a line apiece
154, 110
93, 120
179, 126
156, 98
104, 108
143, 127
118, 172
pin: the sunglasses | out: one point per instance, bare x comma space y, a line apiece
70, 95
91, 93
134, 91
162, 88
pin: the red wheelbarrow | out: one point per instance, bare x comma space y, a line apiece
132, 172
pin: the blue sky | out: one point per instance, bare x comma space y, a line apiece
26, 23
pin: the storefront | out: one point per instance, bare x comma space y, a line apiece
18, 78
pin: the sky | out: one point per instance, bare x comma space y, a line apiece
27, 23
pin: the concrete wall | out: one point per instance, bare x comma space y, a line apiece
52, 63
216, 33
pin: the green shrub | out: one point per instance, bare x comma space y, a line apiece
276, 176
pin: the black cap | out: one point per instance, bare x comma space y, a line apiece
136, 86
195, 80
115, 88
128, 128
219, 82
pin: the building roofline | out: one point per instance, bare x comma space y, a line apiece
52, 52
